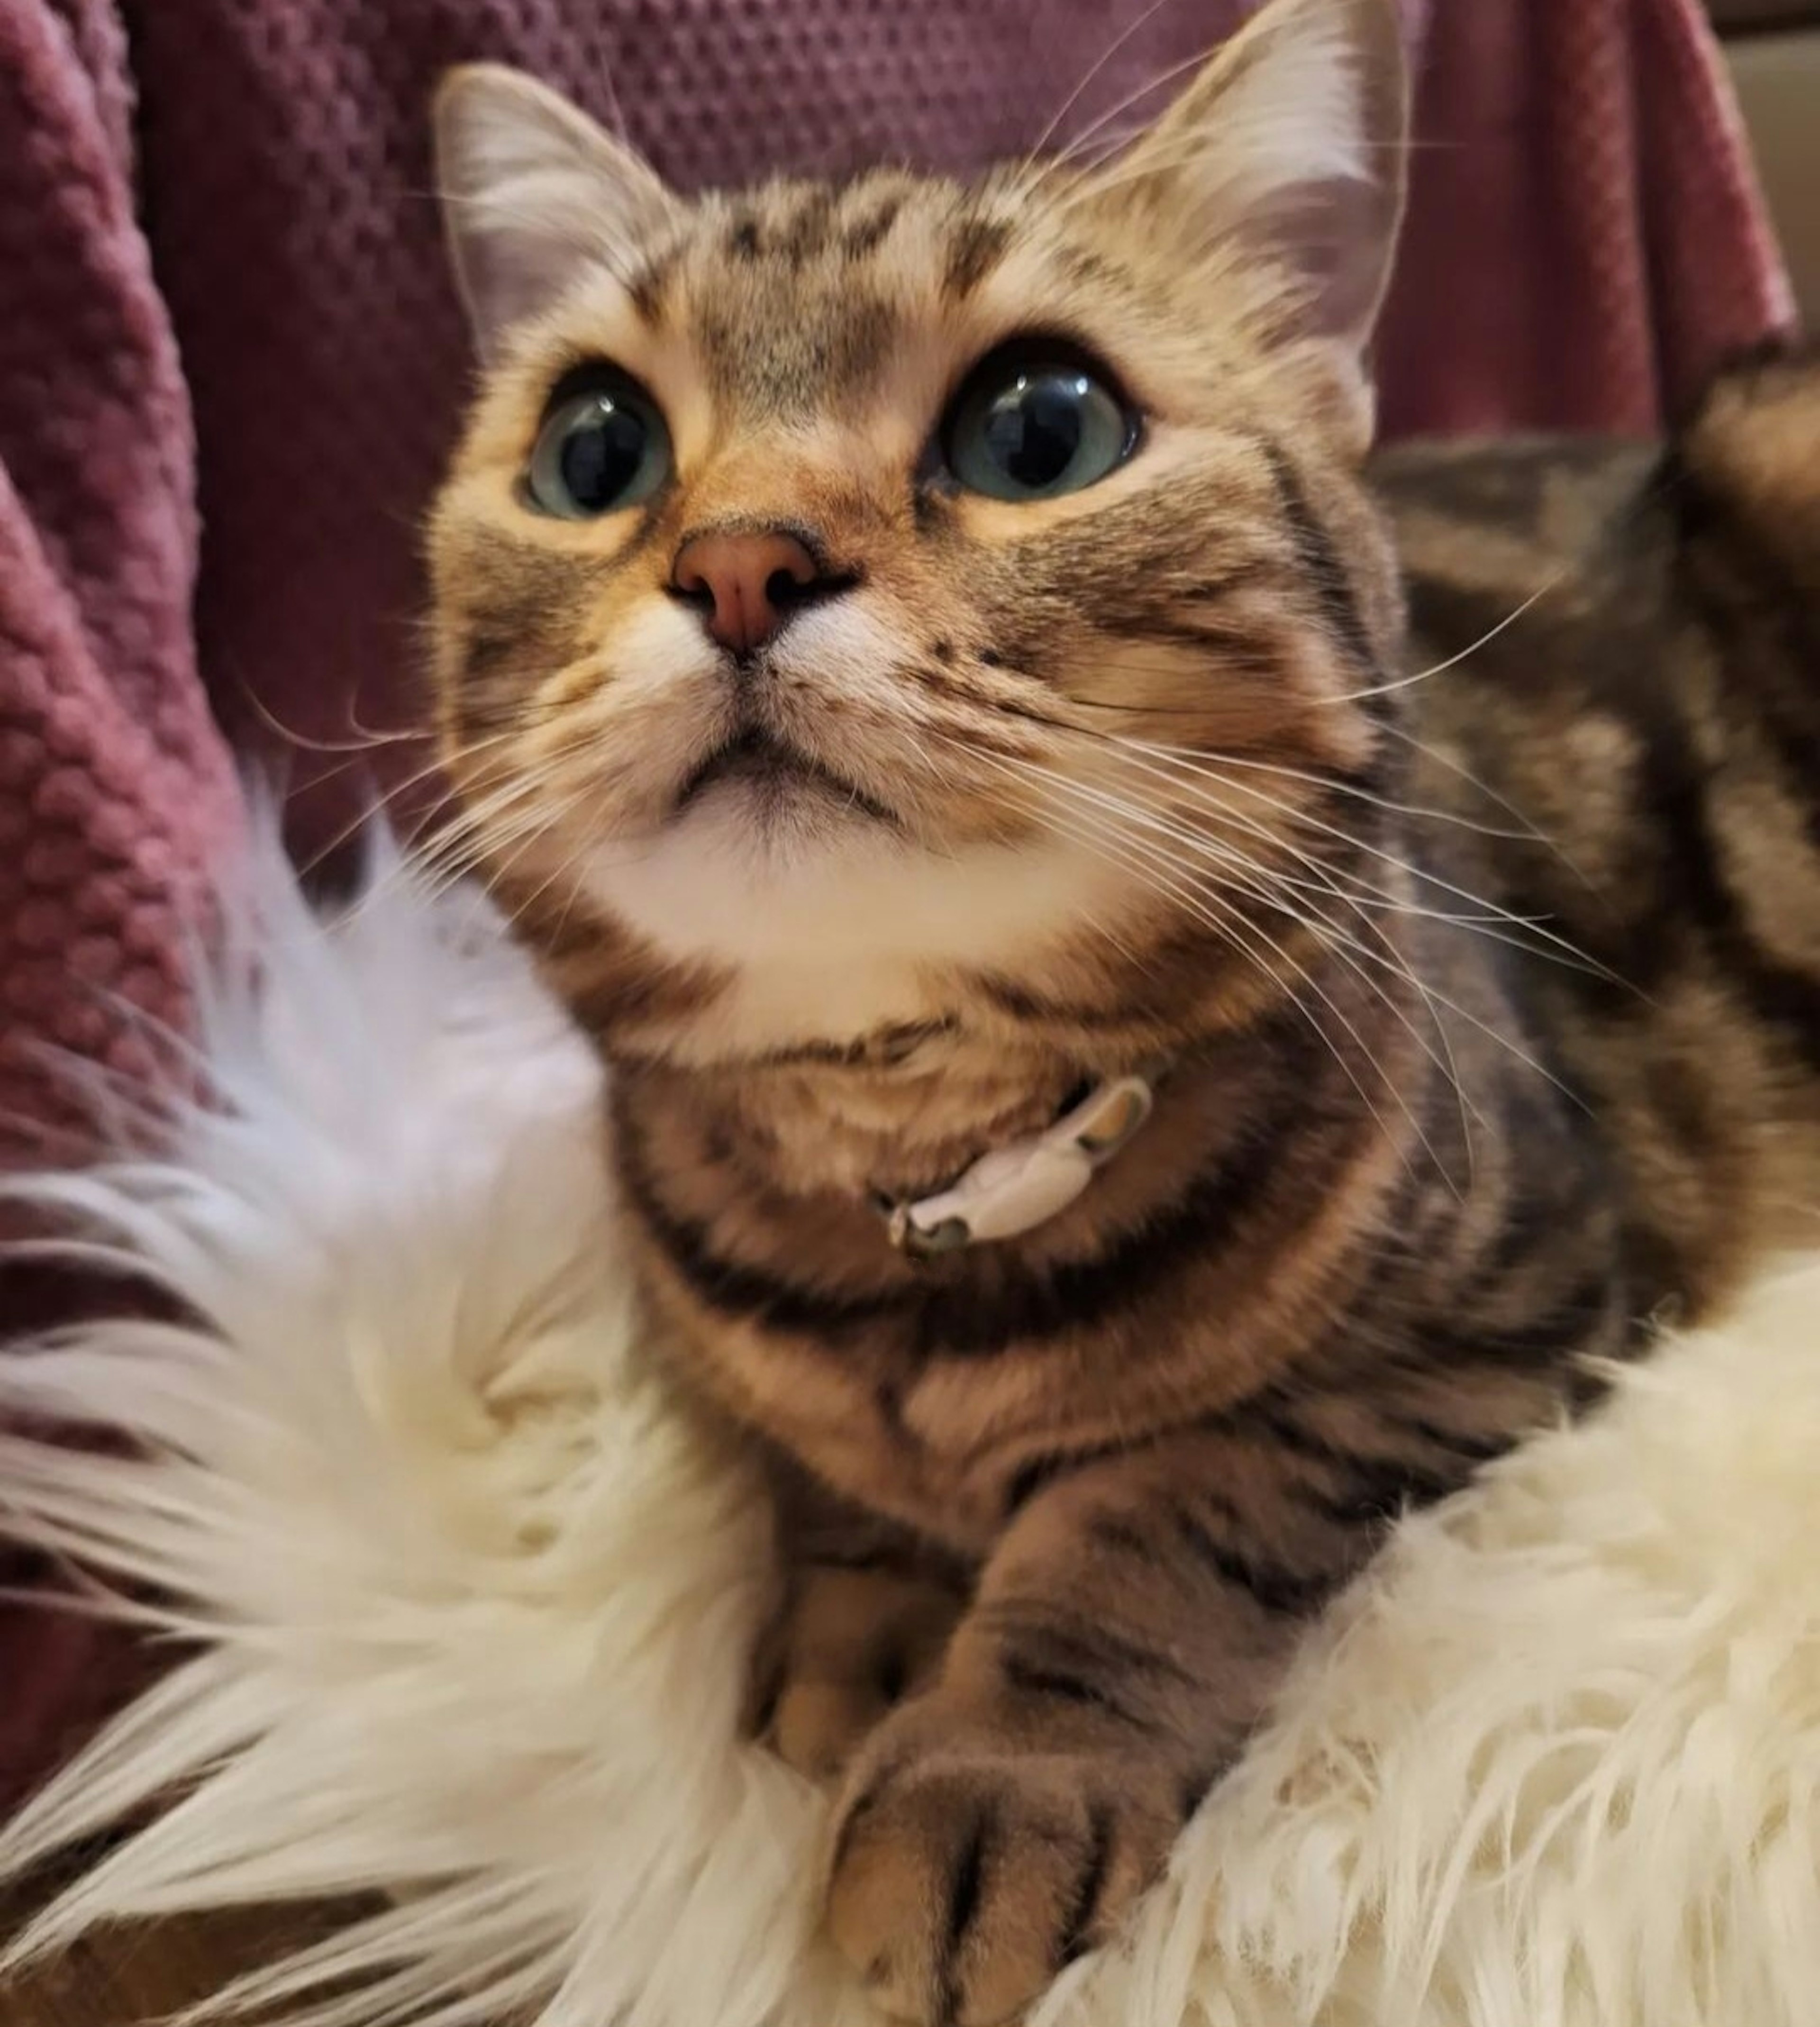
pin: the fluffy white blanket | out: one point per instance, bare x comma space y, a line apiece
463, 1608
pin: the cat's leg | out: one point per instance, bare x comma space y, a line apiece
866, 1613
1124, 1640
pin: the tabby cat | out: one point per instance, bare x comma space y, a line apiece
927, 671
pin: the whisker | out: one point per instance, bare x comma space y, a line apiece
1384, 956
1254, 880
1196, 901
1564, 953
1568, 952
1553, 582
367, 740
1430, 992
1111, 49
1120, 172
502, 859
376, 806
1332, 785
1527, 829
441, 862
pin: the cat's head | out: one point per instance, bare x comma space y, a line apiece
907, 572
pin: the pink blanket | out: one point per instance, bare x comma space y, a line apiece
223, 307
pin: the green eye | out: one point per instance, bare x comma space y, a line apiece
603, 446
1030, 425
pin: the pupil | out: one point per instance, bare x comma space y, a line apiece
601, 455
1033, 431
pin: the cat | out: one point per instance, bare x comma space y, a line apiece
1130, 1068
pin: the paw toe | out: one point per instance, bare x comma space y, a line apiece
959, 1890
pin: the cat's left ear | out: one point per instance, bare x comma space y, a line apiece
533, 193
1281, 168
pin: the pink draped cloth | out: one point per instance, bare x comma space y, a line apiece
230, 363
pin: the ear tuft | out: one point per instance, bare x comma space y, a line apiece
1287, 154
534, 193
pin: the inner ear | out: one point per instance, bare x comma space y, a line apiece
1282, 167
534, 194
1335, 238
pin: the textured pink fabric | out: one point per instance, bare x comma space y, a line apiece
114, 786
1586, 236
1585, 240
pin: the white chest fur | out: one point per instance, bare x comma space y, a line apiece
831, 940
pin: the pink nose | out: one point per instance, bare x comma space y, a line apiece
752, 582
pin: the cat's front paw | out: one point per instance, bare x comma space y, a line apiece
847, 1645
969, 1867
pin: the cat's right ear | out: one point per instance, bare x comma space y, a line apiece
533, 193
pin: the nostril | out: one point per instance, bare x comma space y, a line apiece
745, 584
786, 589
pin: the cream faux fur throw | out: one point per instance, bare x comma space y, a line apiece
464, 1608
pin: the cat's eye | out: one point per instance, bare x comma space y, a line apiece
603, 446
1033, 424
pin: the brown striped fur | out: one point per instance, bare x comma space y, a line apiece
1492, 994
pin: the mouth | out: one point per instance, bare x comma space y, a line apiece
768, 769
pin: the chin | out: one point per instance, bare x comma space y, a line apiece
743, 871
815, 885
761, 837
777, 792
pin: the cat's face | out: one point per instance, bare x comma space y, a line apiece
905, 567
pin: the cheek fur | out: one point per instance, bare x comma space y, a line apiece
877, 690
631, 721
